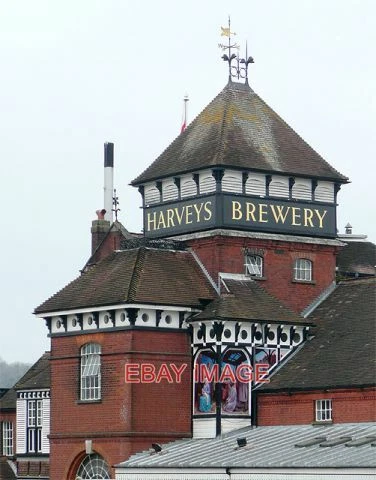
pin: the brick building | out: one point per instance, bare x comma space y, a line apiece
234, 274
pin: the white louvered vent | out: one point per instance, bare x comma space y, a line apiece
302, 188
45, 425
279, 187
169, 191
255, 184
188, 187
152, 195
21, 426
324, 192
232, 182
207, 183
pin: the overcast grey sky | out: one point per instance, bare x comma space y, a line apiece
77, 73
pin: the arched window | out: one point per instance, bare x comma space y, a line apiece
303, 269
93, 466
91, 373
254, 265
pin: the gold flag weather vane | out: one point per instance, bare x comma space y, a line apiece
241, 69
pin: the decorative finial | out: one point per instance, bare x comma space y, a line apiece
115, 202
241, 69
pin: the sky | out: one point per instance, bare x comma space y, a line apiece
78, 73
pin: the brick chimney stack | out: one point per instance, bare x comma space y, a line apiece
99, 229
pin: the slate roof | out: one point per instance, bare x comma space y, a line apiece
357, 257
6, 472
267, 447
342, 352
8, 401
38, 376
247, 300
238, 129
140, 275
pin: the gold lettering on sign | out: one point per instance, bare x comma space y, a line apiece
262, 212
188, 213
320, 217
296, 216
152, 221
161, 221
198, 211
170, 218
179, 217
308, 214
277, 211
236, 211
207, 210
251, 211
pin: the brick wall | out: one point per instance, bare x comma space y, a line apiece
128, 416
352, 405
227, 254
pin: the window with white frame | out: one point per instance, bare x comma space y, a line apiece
34, 426
323, 410
254, 265
303, 269
7, 434
91, 372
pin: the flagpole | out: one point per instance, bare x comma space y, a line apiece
184, 125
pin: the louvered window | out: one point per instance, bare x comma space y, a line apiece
279, 187
152, 195
302, 190
207, 184
255, 185
169, 192
324, 192
188, 188
232, 182
91, 372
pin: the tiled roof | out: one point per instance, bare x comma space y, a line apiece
141, 275
357, 257
8, 400
6, 472
246, 300
38, 376
238, 129
267, 447
342, 352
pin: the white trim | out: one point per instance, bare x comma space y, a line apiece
118, 306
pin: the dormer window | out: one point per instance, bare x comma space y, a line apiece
254, 265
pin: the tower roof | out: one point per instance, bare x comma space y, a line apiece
239, 130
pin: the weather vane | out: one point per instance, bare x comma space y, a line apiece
240, 70
115, 202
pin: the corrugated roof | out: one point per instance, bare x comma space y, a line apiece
141, 275
238, 129
246, 300
267, 447
342, 352
38, 376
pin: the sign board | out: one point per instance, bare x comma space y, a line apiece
240, 212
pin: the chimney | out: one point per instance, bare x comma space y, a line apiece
108, 180
99, 229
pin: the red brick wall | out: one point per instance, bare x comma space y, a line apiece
226, 254
129, 416
353, 405
8, 417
